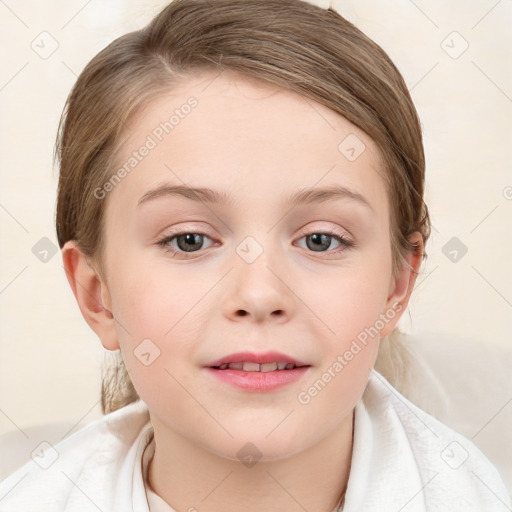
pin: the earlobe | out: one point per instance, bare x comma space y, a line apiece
402, 286
91, 294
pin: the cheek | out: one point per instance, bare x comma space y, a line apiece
158, 321
349, 345
350, 300
156, 340
350, 304
153, 300
352, 315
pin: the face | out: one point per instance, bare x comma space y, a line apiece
190, 279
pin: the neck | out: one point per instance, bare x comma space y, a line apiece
189, 477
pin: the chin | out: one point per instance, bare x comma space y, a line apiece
250, 449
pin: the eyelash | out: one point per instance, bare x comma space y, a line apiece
345, 243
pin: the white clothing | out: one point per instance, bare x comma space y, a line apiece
403, 459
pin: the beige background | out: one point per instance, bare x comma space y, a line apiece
50, 359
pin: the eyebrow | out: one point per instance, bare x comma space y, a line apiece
301, 196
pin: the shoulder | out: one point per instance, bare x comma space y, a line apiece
451, 468
86, 463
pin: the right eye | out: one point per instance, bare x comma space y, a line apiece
185, 242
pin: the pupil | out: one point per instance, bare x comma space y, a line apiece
319, 240
192, 239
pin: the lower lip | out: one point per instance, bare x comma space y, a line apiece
259, 381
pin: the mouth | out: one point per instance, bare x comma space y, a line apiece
258, 372
256, 367
257, 362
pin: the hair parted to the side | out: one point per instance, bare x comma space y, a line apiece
289, 43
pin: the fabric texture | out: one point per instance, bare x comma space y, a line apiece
403, 459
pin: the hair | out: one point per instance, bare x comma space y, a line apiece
292, 44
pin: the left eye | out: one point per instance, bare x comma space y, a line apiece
318, 241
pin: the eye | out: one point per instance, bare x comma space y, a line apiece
318, 241
185, 242
181, 243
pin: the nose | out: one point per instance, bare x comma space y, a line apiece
259, 291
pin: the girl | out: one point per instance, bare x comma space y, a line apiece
240, 212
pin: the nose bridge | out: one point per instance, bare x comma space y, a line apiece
259, 288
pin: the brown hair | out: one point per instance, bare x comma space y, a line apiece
289, 43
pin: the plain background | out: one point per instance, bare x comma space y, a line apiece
455, 58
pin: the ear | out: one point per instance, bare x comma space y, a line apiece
402, 285
91, 293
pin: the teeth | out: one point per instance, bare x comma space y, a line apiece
255, 367
251, 367
268, 367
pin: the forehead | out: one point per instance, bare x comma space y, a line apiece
224, 130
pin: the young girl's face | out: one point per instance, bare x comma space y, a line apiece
254, 273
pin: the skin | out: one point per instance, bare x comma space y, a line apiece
258, 143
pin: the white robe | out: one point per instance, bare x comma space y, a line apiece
403, 460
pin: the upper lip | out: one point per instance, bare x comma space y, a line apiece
251, 357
